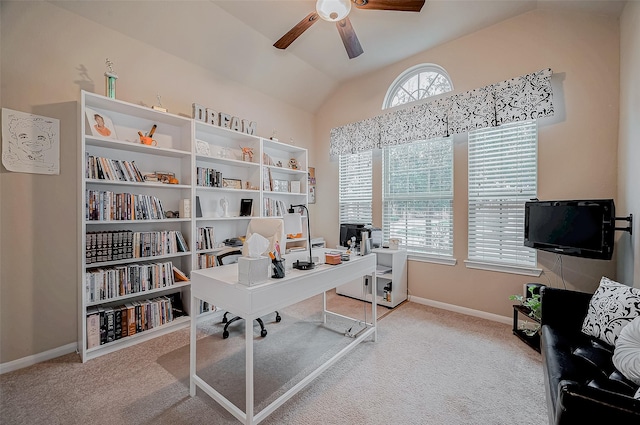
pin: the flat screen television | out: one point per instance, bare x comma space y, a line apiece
582, 228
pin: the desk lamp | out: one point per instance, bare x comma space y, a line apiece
293, 225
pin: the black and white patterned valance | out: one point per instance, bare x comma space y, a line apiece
518, 99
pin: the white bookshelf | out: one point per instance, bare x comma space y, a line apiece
183, 146
391, 279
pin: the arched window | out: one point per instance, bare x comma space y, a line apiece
416, 83
417, 189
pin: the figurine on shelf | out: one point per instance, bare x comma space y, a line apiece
273, 135
293, 164
159, 106
111, 79
351, 244
247, 152
224, 203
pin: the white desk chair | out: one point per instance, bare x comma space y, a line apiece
273, 230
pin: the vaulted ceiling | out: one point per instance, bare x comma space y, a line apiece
234, 38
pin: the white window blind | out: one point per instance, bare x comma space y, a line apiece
355, 192
418, 196
502, 177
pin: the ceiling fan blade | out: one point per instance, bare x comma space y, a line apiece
349, 38
296, 31
400, 5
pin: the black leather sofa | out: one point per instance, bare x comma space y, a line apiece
582, 384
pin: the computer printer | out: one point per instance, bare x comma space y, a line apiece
375, 234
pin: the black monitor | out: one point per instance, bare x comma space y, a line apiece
348, 230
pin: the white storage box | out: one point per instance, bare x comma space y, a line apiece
252, 271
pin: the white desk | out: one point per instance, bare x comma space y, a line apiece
219, 286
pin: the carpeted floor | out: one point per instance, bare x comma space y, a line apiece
429, 366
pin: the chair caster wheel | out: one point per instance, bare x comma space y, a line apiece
225, 334
263, 333
278, 318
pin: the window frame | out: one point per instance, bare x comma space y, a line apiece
347, 198
446, 194
408, 74
490, 193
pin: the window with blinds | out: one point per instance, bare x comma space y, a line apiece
355, 192
503, 175
417, 196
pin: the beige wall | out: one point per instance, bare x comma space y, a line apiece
577, 147
48, 56
629, 144
44, 50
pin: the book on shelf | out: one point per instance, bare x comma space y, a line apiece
124, 321
179, 275
117, 323
110, 324
198, 207
131, 318
93, 327
182, 243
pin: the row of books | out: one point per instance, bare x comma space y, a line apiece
108, 246
273, 207
112, 169
204, 261
123, 244
110, 282
208, 177
108, 324
204, 238
107, 205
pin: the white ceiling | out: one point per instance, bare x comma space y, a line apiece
235, 38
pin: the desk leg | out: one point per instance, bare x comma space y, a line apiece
324, 307
192, 346
374, 305
248, 336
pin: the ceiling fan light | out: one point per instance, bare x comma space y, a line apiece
333, 10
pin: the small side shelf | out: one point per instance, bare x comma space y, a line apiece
532, 341
391, 280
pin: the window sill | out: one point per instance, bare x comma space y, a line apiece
447, 261
503, 268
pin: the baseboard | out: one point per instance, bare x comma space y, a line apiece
462, 310
37, 358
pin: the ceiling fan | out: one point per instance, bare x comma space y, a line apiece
337, 11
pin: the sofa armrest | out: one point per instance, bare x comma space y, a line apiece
563, 309
581, 404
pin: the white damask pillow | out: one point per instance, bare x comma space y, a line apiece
612, 306
626, 356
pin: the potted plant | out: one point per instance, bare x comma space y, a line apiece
534, 304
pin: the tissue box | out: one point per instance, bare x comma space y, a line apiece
252, 271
